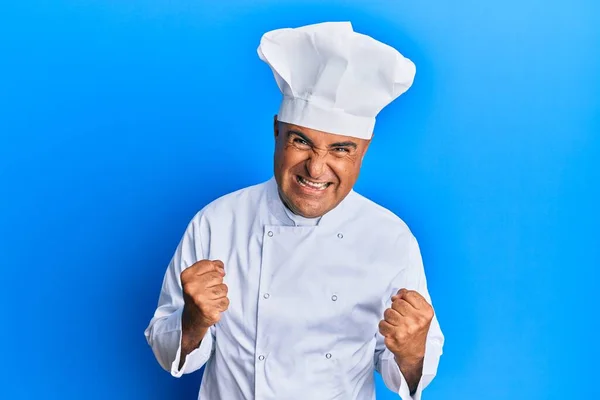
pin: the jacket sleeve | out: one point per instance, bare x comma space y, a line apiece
163, 333
411, 277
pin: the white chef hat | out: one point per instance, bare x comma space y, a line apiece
334, 79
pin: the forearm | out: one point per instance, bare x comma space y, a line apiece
412, 372
190, 341
191, 337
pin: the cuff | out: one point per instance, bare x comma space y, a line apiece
197, 358
395, 381
404, 390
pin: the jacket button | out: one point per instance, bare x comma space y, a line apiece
328, 355
261, 357
340, 236
334, 297
270, 233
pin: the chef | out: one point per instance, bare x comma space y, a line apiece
299, 287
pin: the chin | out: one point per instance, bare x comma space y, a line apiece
312, 214
308, 211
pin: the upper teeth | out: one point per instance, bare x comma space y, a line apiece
315, 185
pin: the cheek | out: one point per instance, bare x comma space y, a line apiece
291, 158
281, 153
345, 170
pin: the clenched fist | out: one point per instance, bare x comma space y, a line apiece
405, 326
204, 294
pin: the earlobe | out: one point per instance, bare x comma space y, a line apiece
365, 151
367, 144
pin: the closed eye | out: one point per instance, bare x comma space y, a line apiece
341, 150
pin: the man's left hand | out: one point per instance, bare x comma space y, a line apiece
405, 327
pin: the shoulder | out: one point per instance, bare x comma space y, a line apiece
377, 215
230, 202
227, 205
383, 225
391, 239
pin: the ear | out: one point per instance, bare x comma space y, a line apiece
275, 126
368, 144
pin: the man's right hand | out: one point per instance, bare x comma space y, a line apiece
204, 294
205, 298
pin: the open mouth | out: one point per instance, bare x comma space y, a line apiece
312, 184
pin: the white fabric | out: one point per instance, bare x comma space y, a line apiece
334, 79
326, 289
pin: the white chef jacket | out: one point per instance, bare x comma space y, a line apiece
306, 297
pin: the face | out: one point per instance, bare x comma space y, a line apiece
315, 170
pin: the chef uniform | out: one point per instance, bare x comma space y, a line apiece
306, 294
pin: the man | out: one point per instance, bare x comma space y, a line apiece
300, 288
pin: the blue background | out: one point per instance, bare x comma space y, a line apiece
120, 119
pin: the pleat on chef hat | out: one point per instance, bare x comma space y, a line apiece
333, 79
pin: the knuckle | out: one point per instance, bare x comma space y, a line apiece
189, 288
204, 308
411, 329
221, 290
429, 313
196, 266
389, 342
388, 314
200, 306
208, 277
185, 285
216, 316
184, 275
402, 335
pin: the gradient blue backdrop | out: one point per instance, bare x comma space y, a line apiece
120, 119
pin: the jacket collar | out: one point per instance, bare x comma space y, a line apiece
334, 218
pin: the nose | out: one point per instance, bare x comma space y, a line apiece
315, 165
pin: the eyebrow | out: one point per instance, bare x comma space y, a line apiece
347, 143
